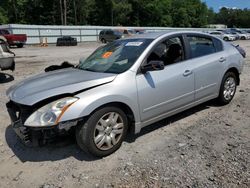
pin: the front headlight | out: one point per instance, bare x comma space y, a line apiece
51, 113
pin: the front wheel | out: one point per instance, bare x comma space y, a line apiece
227, 88
103, 132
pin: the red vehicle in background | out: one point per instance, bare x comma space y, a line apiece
14, 39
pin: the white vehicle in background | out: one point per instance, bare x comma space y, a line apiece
7, 61
243, 35
222, 35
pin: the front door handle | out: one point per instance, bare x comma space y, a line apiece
222, 59
187, 72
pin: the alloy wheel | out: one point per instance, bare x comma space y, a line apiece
108, 130
229, 88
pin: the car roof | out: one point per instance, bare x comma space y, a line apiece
155, 35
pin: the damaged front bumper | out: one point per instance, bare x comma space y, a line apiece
36, 136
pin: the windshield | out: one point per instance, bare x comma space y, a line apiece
115, 57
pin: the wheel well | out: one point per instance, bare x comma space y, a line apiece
236, 72
126, 109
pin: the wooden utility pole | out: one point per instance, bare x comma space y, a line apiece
75, 12
15, 9
61, 9
65, 12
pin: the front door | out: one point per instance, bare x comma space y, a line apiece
164, 91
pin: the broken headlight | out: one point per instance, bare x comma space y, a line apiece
51, 113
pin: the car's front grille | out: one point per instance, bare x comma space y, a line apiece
18, 111
18, 114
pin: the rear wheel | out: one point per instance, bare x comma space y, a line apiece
226, 38
19, 45
103, 132
243, 38
227, 88
103, 40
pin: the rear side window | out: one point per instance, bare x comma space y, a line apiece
218, 45
201, 46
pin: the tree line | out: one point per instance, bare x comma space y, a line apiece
163, 13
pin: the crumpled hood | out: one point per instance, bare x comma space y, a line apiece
64, 81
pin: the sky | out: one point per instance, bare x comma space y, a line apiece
217, 4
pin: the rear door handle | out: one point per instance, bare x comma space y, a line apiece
222, 59
187, 72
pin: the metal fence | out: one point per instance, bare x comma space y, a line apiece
36, 33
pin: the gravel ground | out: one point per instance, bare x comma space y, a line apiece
206, 146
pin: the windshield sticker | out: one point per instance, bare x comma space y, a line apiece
134, 44
125, 61
107, 55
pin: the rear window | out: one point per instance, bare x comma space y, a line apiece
218, 45
201, 46
4, 32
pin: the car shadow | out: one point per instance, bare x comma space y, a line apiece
62, 148
167, 121
66, 147
5, 78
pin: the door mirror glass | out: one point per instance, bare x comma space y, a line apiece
152, 66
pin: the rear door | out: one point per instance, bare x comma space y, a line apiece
161, 92
207, 56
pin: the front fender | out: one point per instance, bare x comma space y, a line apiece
109, 93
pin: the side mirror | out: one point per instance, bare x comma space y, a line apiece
152, 66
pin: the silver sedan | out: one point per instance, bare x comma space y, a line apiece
125, 85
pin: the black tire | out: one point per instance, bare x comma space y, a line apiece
222, 100
243, 38
85, 132
226, 38
19, 45
103, 41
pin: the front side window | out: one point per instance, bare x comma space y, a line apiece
169, 51
115, 57
200, 46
